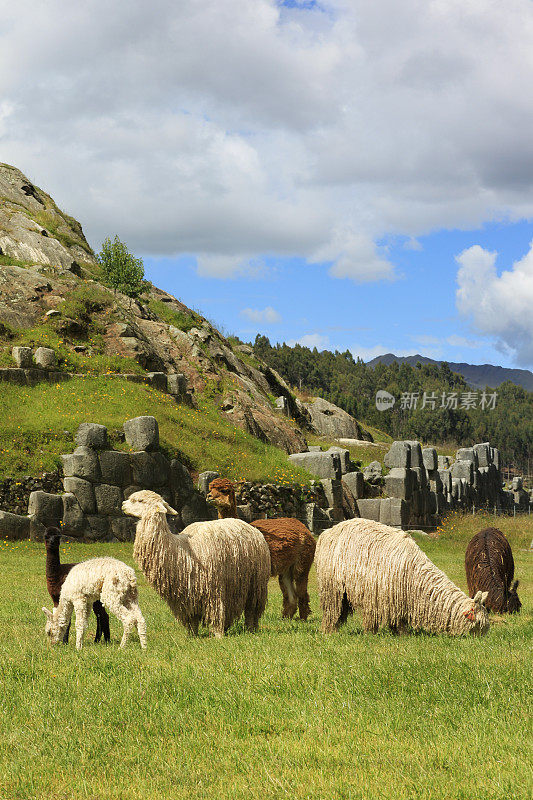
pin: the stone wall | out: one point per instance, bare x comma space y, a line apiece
15, 492
97, 479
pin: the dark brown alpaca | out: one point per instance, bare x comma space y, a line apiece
55, 577
291, 545
489, 568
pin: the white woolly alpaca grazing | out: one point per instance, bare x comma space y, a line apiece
105, 579
382, 571
210, 573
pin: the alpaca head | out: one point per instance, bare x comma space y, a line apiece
478, 616
513, 602
52, 536
222, 496
146, 503
51, 627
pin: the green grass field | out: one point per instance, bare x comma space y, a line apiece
283, 713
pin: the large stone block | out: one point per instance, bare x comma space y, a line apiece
23, 357
443, 462
14, 375
108, 499
176, 384
122, 528
74, 521
344, 456
446, 478
196, 510
115, 467
149, 470
316, 519
467, 454
394, 511
142, 433
45, 358
369, 509
14, 526
181, 483
82, 463
421, 476
98, 529
323, 465
46, 507
355, 483
429, 457
373, 472
90, 434
399, 483
435, 482
84, 493
158, 380
495, 455
333, 492
416, 454
483, 454
399, 455
204, 479
463, 470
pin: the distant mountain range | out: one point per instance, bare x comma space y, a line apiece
476, 375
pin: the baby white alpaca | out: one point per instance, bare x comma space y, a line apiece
105, 579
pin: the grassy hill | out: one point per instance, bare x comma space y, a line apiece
39, 423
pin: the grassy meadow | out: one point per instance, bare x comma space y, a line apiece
283, 713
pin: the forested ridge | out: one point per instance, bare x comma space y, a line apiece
450, 411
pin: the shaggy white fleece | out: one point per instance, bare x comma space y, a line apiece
210, 573
105, 579
382, 571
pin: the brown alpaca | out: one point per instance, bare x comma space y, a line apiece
56, 572
291, 545
490, 567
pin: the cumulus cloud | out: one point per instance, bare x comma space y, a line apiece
498, 305
231, 131
268, 314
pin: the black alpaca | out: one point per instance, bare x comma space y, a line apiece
55, 577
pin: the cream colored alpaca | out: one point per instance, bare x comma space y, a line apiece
210, 573
105, 579
383, 572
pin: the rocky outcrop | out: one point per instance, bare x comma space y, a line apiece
33, 229
159, 331
328, 419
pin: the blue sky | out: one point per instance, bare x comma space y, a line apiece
414, 313
348, 173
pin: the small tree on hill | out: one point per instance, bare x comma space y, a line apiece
121, 270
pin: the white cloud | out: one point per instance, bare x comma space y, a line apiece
311, 340
500, 306
235, 130
461, 341
268, 314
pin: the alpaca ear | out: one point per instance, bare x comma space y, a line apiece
482, 597
49, 614
478, 596
164, 507
515, 586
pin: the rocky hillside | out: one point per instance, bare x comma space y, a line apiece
50, 292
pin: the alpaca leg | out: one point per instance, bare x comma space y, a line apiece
141, 626
252, 612
332, 610
102, 622
218, 625
64, 640
290, 602
81, 609
301, 576
192, 625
